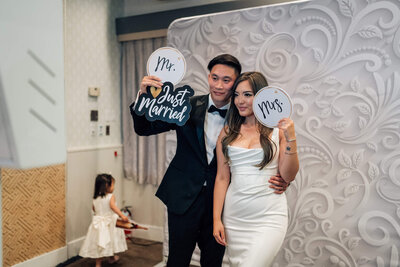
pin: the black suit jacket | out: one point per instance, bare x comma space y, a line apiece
189, 168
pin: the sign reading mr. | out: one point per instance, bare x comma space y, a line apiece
270, 105
166, 103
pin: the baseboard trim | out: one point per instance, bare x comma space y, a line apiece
74, 246
51, 258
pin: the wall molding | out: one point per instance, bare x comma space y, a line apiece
74, 246
51, 258
91, 148
142, 35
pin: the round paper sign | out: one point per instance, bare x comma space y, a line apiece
270, 105
168, 64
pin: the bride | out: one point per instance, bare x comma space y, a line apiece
249, 219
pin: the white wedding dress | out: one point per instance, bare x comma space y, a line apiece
255, 218
103, 238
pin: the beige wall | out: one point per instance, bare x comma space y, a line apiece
82, 168
147, 208
83, 165
92, 58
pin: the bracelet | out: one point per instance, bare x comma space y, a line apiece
290, 153
291, 140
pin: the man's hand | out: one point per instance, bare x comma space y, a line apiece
150, 81
278, 184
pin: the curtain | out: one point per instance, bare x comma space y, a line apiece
144, 157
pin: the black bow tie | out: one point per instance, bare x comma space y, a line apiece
222, 112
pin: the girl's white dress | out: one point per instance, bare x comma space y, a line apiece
103, 238
255, 218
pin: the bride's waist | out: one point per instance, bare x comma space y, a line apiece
254, 171
253, 181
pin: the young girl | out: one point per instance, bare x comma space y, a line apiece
103, 239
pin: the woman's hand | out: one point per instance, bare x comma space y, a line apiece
219, 232
287, 126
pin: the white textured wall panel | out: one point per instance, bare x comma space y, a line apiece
339, 61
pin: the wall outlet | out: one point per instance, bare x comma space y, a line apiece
101, 130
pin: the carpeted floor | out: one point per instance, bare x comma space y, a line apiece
140, 253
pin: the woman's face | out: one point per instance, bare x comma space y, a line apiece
244, 99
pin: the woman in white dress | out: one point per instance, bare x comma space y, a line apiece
249, 219
103, 238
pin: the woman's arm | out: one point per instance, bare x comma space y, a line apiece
288, 159
221, 185
114, 207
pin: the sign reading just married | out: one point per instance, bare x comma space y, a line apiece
270, 105
166, 103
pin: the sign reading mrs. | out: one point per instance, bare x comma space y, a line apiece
166, 103
270, 105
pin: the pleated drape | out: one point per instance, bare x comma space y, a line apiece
144, 157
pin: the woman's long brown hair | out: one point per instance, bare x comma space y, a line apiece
234, 121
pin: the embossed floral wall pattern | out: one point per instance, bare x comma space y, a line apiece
340, 62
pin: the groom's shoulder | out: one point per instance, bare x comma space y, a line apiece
198, 99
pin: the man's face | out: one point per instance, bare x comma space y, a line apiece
221, 80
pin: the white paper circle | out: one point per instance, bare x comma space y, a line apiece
168, 64
270, 105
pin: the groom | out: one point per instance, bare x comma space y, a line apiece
188, 184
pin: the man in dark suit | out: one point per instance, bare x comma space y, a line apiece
188, 184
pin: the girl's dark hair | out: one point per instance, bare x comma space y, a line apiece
226, 59
234, 121
103, 182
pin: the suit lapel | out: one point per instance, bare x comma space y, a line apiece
198, 117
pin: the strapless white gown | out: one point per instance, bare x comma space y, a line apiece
255, 218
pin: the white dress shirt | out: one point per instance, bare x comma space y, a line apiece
213, 124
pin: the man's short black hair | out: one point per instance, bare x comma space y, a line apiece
226, 59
